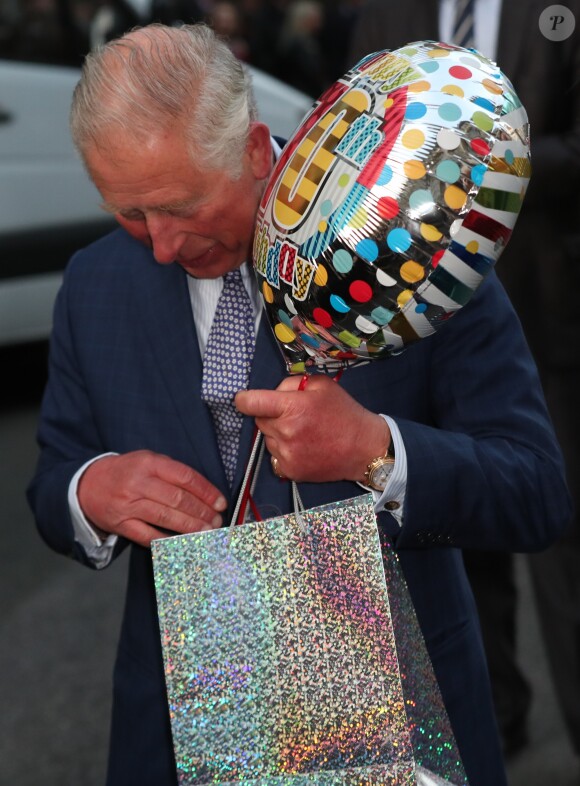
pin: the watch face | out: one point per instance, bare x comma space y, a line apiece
379, 475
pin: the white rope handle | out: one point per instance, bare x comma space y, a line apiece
257, 453
297, 499
256, 458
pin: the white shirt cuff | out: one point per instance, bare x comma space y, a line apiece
98, 551
392, 498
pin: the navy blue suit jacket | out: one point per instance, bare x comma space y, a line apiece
484, 470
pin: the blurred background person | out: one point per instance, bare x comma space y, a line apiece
541, 272
112, 19
35, 32
174, 12
227, 21
263, 22
300, 59
339, 21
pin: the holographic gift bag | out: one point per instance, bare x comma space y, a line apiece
282, 659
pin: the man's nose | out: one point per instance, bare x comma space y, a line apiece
165, 239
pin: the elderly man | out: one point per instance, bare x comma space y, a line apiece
132, 447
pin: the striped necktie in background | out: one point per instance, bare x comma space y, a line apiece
463, 26
226, 365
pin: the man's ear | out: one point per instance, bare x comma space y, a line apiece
259, 150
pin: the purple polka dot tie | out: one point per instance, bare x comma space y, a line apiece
226, 365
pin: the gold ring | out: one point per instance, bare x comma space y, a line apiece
275, 470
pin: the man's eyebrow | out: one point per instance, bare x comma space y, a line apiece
181, 205
168, 208
108, 208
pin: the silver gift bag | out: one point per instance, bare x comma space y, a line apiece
293, 656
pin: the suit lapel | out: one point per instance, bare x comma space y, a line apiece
167, 322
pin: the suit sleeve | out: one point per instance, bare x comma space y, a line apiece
484, 470
67, 435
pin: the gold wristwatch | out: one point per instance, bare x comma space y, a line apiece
379, 470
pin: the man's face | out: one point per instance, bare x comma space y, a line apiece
201, 219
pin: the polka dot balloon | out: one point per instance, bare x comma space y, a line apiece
390, 204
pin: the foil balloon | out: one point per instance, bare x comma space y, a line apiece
390, 204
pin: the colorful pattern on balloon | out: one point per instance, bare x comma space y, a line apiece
390, 204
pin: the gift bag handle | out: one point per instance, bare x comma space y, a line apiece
245, 497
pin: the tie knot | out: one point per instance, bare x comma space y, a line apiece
234, 296
234, 277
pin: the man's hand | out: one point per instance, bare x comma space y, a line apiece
142, 496
317, 434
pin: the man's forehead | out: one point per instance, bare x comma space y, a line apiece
124, 187
124, 141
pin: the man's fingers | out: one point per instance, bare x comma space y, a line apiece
148, 488
262, 403
282, 401
142, 533
179, 499
180, 475
139, 532
166, 518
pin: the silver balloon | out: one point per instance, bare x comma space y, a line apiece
390, 204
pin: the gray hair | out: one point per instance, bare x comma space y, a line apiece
156, 77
